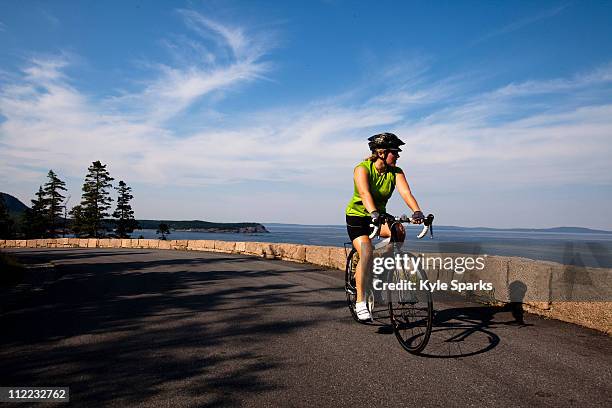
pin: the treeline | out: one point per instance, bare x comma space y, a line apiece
48, 215
195, 224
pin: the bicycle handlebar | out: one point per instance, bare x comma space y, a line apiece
388, 218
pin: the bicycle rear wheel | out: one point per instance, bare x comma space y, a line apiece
350, 286
411, 311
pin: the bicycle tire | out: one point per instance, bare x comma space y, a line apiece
350, 287
411, 314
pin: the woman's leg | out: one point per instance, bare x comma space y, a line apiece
363, 245
364, 248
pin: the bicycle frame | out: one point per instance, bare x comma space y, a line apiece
396, 236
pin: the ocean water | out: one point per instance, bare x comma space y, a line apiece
582, 249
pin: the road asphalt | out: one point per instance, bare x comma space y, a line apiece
142, 327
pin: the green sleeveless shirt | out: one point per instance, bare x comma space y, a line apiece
381, 188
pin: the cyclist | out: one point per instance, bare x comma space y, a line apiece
375, 178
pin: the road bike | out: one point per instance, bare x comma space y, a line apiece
410, 307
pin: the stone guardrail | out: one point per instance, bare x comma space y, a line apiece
575, 294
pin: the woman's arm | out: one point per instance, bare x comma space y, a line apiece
363, 186
404, 190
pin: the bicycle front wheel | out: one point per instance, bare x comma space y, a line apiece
411, 310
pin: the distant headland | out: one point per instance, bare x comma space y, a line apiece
205, 226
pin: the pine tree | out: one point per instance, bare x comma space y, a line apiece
77, 224
95, 201
35, 221
6, 223
124, 214
54, 200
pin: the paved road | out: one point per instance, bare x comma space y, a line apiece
168, 328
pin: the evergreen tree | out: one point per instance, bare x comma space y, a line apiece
35, 221
77, 224
54, 200
6, 223
164, 230
124, 214
95, 201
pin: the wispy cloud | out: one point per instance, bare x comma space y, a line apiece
44, 113
2, 26
521, 23
597, 77
49, 17
233, 39
219, 58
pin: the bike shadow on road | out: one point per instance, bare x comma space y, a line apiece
469, 331
463, 331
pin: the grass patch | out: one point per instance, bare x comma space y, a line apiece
11, 271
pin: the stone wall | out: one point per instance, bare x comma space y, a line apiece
579, 295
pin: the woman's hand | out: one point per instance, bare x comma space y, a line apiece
375, 217
418, 217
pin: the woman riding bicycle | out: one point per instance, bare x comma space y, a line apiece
375, 179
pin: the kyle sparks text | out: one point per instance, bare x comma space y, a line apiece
426, 285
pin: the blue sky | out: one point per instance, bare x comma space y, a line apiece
258, 111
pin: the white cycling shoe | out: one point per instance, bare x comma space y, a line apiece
363, 314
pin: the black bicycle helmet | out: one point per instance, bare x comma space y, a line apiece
385, 141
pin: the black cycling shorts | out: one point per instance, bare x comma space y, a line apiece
358, 226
